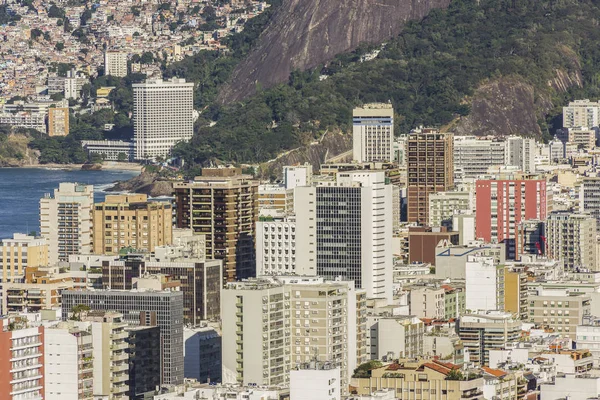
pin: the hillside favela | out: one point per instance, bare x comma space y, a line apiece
299, 199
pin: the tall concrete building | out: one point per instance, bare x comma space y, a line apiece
482, 332
144, 360
66, 221
345, 230
430, 168
559, 309
115, 63
130, 220
20, 252
141, 308
503, 204
276, 247
484, 284
270, 326
582, 138
373, 133
520, 152
58, 121
572, 239
21, 361
473, 155
223, 205
589, 197
162, 116
299, 175
202, 354
109, 351
68, 361
581, 113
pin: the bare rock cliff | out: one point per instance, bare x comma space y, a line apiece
306, 33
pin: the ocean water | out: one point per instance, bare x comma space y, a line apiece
22, 188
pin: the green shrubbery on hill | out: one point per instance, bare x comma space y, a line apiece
427, 72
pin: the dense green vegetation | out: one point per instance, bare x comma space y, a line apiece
427, 72
6, 17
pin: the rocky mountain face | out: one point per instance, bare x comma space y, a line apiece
306, 33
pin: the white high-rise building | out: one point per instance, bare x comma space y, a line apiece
297, 176
68, 362
115, 63
571, 238
581, 113
443, 206
162, 116
473, 156
373, 133
276, 247
273, 325
520, 152
345, 230
66, 221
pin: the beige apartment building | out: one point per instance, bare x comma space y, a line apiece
58, 121
19, 252
273, 325
40, 290
131, 221
582, 138
572, 239
482, 332
66, 221
559, 310
430, 170
427, 302
222, 204
111, 360
373, 133
422, 379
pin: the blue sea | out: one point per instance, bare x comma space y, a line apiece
22, 188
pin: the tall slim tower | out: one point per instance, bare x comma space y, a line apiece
66, 221
373, 133
430, 170
345, 231
115, 63
162, 116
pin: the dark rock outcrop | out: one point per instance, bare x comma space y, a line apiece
146, 182
306, 33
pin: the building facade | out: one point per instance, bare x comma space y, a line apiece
443, 206
276, 247
115, 63
222, 204
572, 239
345, 230
162, 116
131, 221
373, 133
58, 121
581, 113
144, 360
430, 168
66, 221
20, 252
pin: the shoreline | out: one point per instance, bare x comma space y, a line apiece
106, 166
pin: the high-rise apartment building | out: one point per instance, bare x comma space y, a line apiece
373, 133
109, 352
58, 121
201, 282
482, 332
68, 362
581, 113
502, 204
21, 361
474, 155
345, 230
115, 63
401, 335
270, 326
276, 247
222, 204
141, 308
66, 221
202, 354
572, 239
162, 116
444, 205
520, 153
130, 220
583, 138
516, 294
19, 252
589, 197
430, 170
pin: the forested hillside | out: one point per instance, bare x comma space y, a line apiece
430, 72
